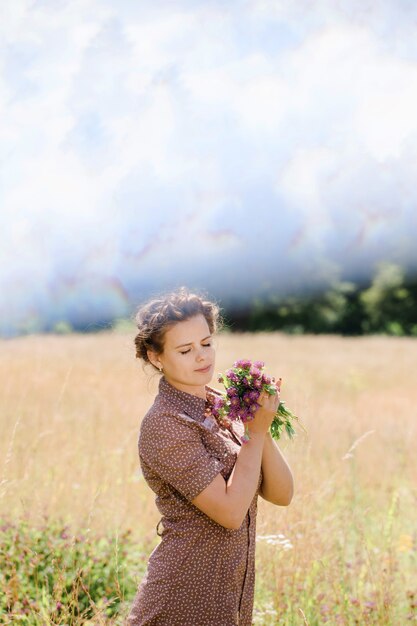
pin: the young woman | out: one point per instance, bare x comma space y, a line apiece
206, 481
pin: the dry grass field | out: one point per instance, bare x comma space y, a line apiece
343, 552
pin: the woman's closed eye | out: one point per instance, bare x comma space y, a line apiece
206, 345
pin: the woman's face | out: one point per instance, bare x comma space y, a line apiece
188, 348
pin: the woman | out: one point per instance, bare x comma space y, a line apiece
206, 481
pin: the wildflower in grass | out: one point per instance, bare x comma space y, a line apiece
244, 383
405, 543
275, 540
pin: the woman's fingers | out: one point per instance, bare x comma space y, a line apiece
269, 400
276, 382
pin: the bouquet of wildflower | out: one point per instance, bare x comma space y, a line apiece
244, 383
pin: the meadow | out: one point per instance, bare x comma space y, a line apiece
77, 520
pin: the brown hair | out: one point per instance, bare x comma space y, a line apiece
156, 316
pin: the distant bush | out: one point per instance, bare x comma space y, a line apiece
122, 325
388, 305
62, 328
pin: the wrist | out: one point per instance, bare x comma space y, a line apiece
256, 436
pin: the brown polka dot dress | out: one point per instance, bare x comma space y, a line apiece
201, 573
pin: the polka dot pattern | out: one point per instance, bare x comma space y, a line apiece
201, 573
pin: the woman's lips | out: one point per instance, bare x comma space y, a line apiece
206, 369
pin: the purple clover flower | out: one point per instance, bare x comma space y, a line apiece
246, 415
246, 397
243, 363
255, 373
219, 403
244, 383
234, 412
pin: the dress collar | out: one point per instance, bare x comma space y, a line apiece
193, 405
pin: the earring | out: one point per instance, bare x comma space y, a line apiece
160, 369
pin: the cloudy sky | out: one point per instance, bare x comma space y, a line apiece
240, 147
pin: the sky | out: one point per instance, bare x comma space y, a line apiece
242, 148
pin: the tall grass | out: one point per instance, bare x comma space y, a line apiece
343, 552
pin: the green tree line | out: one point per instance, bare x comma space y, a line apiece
387, 305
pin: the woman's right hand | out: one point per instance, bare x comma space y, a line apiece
264, 416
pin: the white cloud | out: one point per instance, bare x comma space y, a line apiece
122, 122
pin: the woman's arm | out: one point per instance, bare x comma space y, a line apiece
228, 503
278, 484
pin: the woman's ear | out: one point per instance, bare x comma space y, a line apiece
152, 356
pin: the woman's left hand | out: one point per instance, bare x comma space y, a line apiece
277, 384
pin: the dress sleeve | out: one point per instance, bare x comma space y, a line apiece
173, 449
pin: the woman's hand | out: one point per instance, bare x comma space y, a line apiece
264, 416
